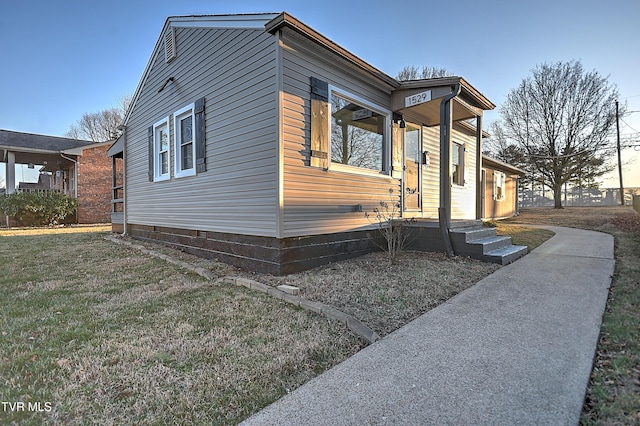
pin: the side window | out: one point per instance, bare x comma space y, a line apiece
185, 141
161, 156
457, 163
189, 145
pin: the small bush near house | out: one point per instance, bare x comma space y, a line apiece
392, 226
38, 208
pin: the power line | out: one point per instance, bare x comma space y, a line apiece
628, 125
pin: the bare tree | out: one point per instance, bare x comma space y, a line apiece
356, 140
560, 116
356, 147
411, 72
100, 126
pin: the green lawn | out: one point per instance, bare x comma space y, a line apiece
93, 331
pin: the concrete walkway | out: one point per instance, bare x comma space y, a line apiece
515, 349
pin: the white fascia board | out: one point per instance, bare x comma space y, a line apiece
249, 21
28, 150
79, 150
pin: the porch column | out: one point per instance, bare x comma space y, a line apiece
10, 173
479, 183
444, 211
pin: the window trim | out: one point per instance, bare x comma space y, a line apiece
158, 176
461, 166
177, 116
386, 136
496, 175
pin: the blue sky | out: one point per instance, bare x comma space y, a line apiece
66, 57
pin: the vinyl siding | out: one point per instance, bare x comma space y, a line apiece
235, 71
494, 209
463, 198
318, 201
431, 174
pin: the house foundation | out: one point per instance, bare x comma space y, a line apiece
269, 255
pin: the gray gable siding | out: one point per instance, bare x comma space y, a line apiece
235, 71
318, 201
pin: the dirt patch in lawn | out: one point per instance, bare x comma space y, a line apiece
384, 296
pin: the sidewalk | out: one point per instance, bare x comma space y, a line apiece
516, 348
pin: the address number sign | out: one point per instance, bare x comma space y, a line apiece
418, 98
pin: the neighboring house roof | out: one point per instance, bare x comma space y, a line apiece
41, 149
501, 165
29, 142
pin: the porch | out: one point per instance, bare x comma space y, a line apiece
53, 164
116, 154
52, 156
451, 197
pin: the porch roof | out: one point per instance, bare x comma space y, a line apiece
29, 147
423, 97
501, 165
117, 148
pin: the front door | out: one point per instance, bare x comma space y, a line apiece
412, 182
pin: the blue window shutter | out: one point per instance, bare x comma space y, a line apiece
151, 154
320, 111
199, 119
319, 89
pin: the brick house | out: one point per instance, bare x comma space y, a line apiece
94, 184
78, 168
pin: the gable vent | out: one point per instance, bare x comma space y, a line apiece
170, 45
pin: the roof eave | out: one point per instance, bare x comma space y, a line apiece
467, 90
501, 164
285, 20
29, 150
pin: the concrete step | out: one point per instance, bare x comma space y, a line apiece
467, 235
506, 255
483, 246
482, 243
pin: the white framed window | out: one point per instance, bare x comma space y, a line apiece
457, 163
359, 134
185, 141
161, 150
499, 185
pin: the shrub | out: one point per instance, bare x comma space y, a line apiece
392, 226
38, 208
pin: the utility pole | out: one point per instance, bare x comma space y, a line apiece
619, 156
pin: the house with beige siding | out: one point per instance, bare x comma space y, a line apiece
256, 140
500, 182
